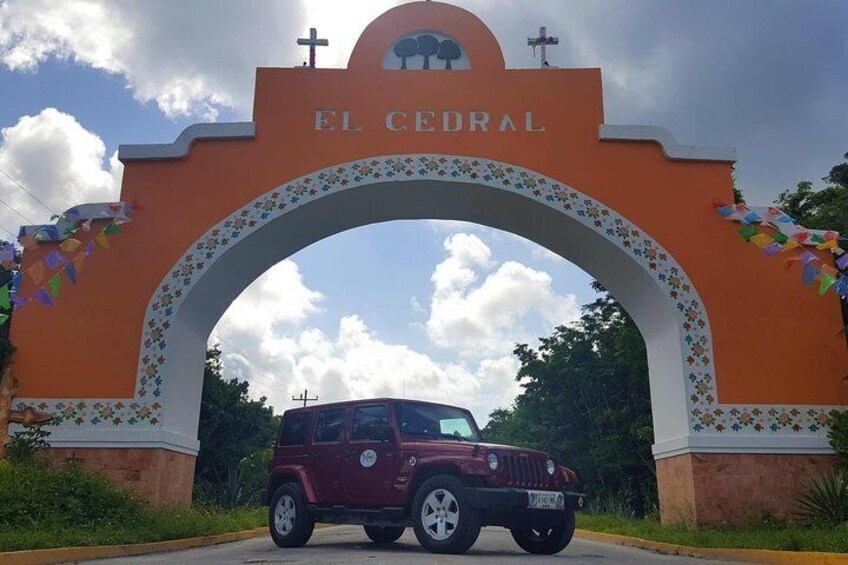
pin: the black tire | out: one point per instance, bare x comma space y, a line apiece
379, 534
546, 541
294, 526
462, 534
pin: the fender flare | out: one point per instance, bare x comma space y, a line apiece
285, 473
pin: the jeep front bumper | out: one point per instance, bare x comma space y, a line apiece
513, 499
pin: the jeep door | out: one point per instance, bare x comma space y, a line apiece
326, 455
371, 461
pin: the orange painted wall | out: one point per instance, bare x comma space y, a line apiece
774, 339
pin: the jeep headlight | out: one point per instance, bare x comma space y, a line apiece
551, 467
492, 459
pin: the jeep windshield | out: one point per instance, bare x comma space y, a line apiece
435, 422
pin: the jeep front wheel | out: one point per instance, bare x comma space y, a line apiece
290, 523
545, 540
443, 520
378, 534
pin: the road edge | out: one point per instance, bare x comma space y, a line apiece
769, 556
84, 553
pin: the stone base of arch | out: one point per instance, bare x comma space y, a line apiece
708, 489
160, 476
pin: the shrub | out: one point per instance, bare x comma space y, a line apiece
26, 443
824, 499
33, 493
838, 436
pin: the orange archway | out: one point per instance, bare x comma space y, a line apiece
740, 379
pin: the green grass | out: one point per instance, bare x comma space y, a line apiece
766, 536
43, 507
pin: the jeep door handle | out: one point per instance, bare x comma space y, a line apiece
351, 453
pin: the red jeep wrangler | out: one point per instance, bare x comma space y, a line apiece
390, 464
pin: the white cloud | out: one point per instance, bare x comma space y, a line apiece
188, 58
59, 161
488, 319
277, 297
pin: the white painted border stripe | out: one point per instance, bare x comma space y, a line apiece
672, 150
748, 443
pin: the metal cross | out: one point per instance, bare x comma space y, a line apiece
313, 42
542, 41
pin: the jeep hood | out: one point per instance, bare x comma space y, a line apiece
468, 447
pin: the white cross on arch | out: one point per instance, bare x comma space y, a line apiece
312, 41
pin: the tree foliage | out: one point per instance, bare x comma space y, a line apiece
586, 400
825, 209
233, 428
6, 274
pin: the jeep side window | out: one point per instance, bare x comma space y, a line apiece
330, 426
370, 423
295, 428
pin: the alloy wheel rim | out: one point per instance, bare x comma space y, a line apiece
440, 514
284, 515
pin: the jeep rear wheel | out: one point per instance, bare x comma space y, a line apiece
443, 520
379, 534
290, 523
545, 540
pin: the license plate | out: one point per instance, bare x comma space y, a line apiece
545, 500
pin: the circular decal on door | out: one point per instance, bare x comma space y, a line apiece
368, 458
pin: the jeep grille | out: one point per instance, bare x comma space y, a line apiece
526, 472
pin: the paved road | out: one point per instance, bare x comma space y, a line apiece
347, 545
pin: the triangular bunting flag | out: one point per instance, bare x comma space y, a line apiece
748, 232
111, 229
773, 249
4, 297
842, 262
70, 245
71, 272
808, 257
88, 249
78, 262
827, 269
7, 253
15, 284
54, 260
55, 284
36, 272
842, 286
18, 302
810, 274
780, 238
829, 244
761, 240
3, 319
102, 240
43, 297
827, 281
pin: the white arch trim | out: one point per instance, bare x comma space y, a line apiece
687, 414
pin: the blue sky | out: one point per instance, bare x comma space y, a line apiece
345, 316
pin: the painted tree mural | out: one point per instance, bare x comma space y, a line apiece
427, 46
406, 48
449, 51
